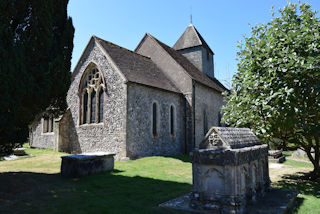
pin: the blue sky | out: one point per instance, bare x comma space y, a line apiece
124, 22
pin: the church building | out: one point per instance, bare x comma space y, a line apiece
155, 100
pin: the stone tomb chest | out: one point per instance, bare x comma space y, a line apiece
229, 170
86, 164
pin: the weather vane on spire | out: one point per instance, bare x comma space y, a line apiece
190, 15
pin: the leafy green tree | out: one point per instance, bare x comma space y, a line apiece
276, 91
36, 42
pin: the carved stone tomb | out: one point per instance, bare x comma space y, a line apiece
230, 169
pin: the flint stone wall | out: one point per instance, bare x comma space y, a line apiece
140, 140
206, 99
42, 140
108, 136
229, 170
180, 79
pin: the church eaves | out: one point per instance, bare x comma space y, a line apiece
191, 38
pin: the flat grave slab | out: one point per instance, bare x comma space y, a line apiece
86, 164
276, 156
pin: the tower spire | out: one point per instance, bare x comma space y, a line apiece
191, 18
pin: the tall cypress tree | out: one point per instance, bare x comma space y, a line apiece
36, 42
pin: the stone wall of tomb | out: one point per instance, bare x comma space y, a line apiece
226, 180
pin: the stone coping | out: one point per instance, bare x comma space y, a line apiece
229, 156
89, 155
233, 138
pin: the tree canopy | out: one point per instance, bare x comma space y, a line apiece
276, 91
36, 42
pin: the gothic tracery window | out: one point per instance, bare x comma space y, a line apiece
92, 97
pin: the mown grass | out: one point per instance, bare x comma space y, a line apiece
34, 185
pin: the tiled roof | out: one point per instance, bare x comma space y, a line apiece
137, 68
191, 69
191, 38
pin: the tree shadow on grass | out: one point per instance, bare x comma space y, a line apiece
184, 157
25, 192
298, 182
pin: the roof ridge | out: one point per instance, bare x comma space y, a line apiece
158, 41
117, 46
173, 50
202, 41
197, 33
191, 38
189, 73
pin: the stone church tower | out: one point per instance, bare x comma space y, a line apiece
196, 50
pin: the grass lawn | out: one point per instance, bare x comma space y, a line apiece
34, 185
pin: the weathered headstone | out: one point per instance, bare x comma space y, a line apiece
86, 164
299, 153
229, 170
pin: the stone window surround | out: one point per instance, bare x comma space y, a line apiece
51, 125
92, 66
174, 120
158, 120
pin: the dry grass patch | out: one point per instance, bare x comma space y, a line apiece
276, 174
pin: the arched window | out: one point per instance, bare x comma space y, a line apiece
93, 106
85, 107
154, 120
100, 115
172, 120
92, 97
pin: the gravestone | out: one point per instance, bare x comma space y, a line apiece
230, 169
299, 153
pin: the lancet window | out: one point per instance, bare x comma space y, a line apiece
48, 124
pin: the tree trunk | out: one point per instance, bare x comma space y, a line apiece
316, 170
315, 174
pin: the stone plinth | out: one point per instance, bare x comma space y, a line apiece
276, 156
85, 164
229, 170
19, 152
